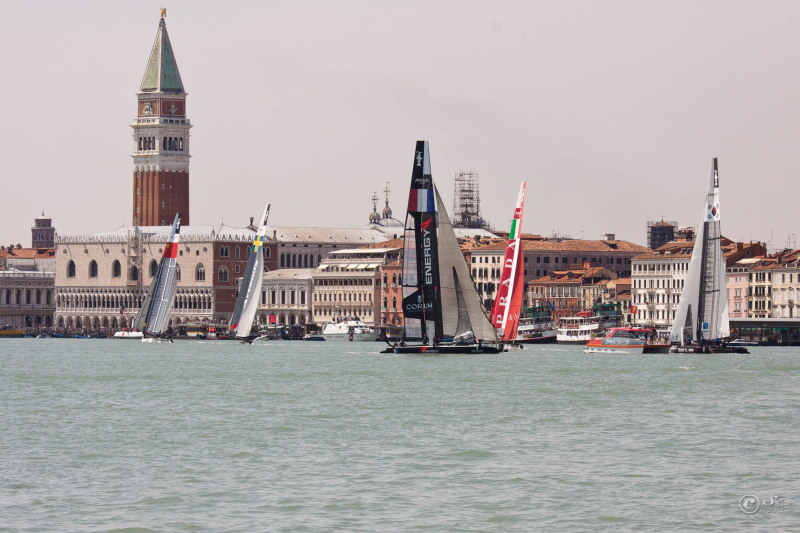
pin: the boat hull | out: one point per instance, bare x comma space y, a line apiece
579, 340
128, 335
708, 349
346, 337
444, 349
631, 348
538, 339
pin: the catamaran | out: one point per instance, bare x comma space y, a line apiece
244, 312
508, 301
701, 322
442, 310
153, 317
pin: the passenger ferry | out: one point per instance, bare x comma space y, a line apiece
578, 329
536, 325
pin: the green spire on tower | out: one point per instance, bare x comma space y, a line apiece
162, 70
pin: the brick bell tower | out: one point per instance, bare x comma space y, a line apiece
161, 140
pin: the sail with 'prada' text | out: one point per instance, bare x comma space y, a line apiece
508, 300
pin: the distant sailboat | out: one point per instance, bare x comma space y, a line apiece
441, 306
701, 321
250, 290
154, 315
508, 300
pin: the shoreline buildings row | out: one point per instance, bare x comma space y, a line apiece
313, 275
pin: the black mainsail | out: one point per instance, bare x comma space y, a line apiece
422, 310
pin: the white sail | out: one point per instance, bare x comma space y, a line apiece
457, 287
703, 308
250, 290
154, 315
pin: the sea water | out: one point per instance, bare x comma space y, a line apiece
111, 435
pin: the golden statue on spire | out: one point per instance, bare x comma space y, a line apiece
163, 12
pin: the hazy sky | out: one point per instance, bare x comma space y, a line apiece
611, 111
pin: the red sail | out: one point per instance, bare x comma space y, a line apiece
508, 299
515, 307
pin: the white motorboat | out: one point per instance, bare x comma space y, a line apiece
349, 330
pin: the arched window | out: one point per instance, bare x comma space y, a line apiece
153, 268
237, 253
71, 269
394, 302
385, 302
180, 144
224, 251
223, 275
200, 272
133, 275
93, 269
394, 278
283, 260
178, 272
165, 143
140, 144
116, 269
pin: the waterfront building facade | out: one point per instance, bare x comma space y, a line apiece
27, 287
541, 257
759, 304
161, 140
347, 284
568, 292
659, 275
101, 279
738, 275
286, 297
392, 294
786, 286
300, 247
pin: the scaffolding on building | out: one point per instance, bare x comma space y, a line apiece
660, 233
467, 202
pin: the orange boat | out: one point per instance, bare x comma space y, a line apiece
627, 340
